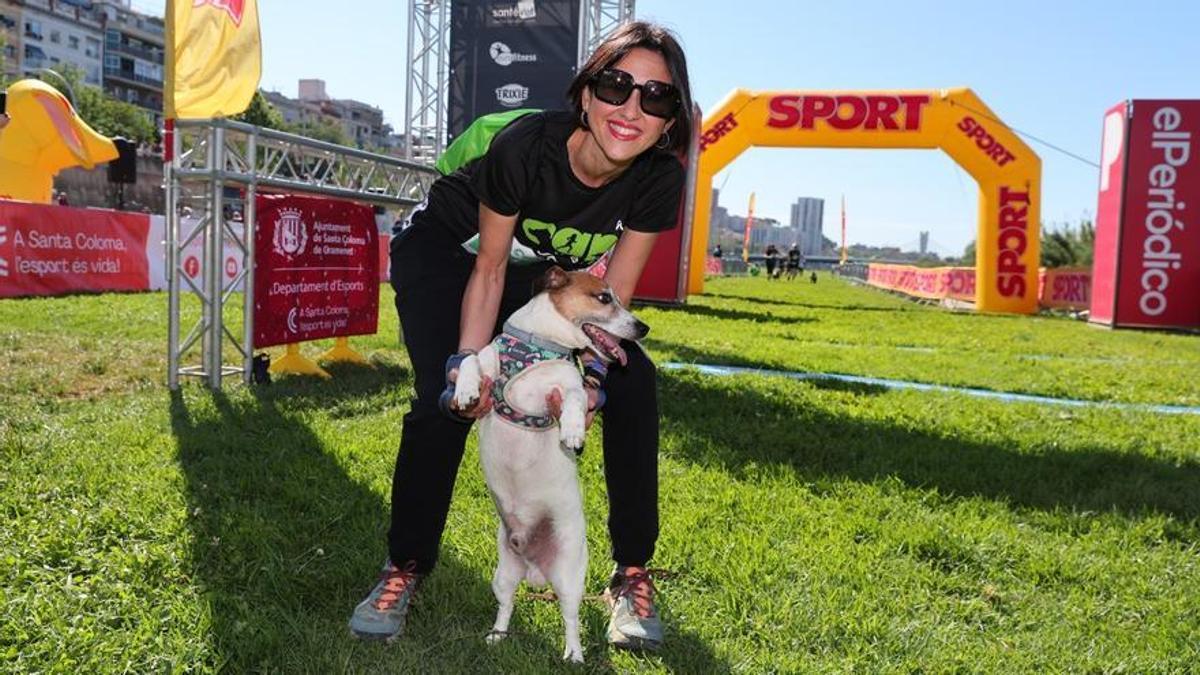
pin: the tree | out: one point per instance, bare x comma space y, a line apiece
322, 130
261, 113
1067, 246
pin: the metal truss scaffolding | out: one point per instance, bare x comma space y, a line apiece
428, 59
217, 168
598, 18
429, 62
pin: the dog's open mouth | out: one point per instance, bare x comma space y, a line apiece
605, 343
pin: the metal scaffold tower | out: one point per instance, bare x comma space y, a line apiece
217, 168
429, 62
598, 18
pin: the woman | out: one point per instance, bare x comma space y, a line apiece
555, 187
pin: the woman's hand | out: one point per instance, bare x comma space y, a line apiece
446, 400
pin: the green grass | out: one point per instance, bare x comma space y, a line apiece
806, 526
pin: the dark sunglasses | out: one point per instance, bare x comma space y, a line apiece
614, 87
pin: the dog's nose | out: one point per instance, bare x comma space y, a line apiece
641, 328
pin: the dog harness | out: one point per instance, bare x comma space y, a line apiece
517, 350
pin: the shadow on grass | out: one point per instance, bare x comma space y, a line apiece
286, 543
817, 444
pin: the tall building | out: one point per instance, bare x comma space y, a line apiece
808, 217
133, 55
10, 34
114, 46
361, 122
54, 32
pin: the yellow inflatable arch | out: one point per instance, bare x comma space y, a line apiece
1008, 172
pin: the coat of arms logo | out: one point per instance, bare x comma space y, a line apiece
291, 234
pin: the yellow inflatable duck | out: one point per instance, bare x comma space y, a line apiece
43, 136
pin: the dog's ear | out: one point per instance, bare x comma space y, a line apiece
554, 279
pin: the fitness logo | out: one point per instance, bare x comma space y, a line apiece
504, 56
291, 234
512, 95
236, 9
522, 10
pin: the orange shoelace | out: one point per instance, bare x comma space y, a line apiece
636, 582
396, 582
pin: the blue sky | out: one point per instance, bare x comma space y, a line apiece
1050, 68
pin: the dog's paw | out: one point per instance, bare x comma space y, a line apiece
466, 387
495, 636
571, 435
573, 655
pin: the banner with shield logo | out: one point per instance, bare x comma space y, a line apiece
316, 271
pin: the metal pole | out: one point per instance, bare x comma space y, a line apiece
689, 205
212, 261
249, 234
172, 262
408, 84
440, 64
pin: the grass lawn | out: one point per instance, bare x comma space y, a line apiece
806, 525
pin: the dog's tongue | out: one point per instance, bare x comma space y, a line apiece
606, 344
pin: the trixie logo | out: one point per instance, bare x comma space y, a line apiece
986, 142
523, 10
870, 112
1158, 254
1013, 240
717, 131
3, 241
235, 8
512, 95
503, 55
291, 234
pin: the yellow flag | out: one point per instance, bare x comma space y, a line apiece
214, 58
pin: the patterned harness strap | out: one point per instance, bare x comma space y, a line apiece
518, 350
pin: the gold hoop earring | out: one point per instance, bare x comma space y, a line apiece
664, 141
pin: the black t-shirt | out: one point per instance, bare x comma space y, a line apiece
525, 171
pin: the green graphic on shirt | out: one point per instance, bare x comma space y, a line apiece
568, 242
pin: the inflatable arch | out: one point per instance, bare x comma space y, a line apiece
1008, 171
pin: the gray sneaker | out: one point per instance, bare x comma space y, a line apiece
381, 615
634, 623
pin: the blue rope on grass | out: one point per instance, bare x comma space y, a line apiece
917, 386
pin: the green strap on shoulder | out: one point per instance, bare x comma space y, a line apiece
475, 141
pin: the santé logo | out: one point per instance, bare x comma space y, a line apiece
512, 95
523, 10
235, 8
291, 234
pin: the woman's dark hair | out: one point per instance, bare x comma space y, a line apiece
648, 36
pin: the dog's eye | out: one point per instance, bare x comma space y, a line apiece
604, 297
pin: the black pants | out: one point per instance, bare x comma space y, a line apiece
429, 273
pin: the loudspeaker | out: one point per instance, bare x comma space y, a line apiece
123, 169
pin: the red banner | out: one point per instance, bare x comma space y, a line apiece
1159, 260
933, 283
1108, 214
49, 250
1065, 287
316, 270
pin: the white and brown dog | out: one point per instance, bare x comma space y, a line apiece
528, 457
